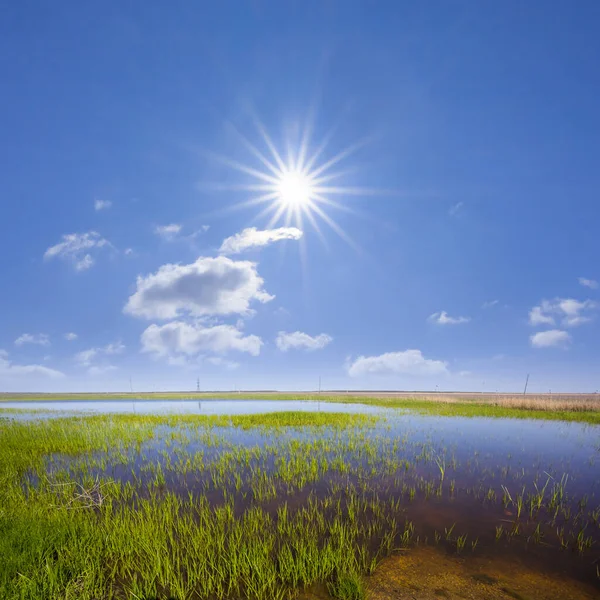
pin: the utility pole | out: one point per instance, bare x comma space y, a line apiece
130, 386
526, 382
198, 384
319, 384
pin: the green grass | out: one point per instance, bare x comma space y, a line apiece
131, 544
308, 498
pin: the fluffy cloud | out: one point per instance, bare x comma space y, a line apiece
408, 362
298, 340
168, 232
102, 204
552, 337
255, 238
76, 247
591, 283
443, 318
38, 338
9, 369
568, 311
71, 337
209, 286
191, 339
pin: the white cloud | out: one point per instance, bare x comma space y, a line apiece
41, 339
443, 318
191, 339
102, 204
490, 304
70, 337
408, 362
591, 283
255, 238
128, 251
209, 286
76, 247
568, 311
552, 337
454, 209
9, 369
298, 340
86, 357
168, 232
537, 316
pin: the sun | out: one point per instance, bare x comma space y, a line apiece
296, 186
295, 189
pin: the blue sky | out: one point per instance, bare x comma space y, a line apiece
464, 247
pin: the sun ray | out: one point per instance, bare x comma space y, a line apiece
330, 202
244, 168
270, 144
337, 228
336, 159
263, 159
296, 184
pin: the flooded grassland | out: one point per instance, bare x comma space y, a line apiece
298, 504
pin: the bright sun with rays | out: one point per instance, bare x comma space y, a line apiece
295, 190
297, 186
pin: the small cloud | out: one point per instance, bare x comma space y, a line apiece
552, 337
408, 362
128, 252
537, 316
168, 232
86, 357
205, 228
299, 340
454, 209
464, 373
41, 339
590, 283
70, 337
490, 304
443, 318
569, 311
254, 238
102, 204
76, 247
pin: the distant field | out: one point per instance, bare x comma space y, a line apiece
566, 407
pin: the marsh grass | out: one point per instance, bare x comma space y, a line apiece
247, 507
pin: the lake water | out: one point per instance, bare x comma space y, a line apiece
211, 406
